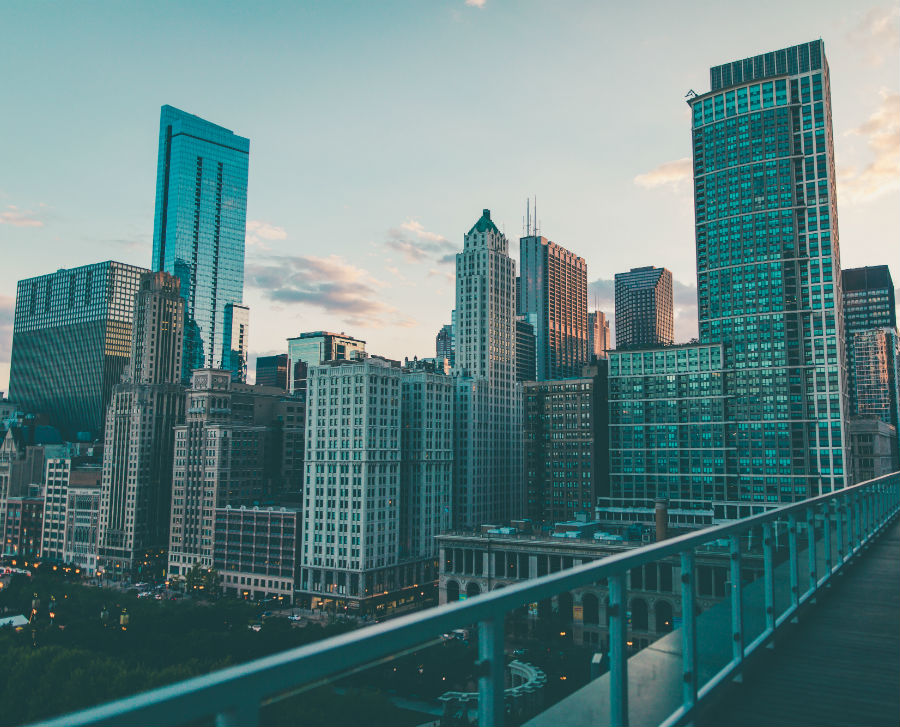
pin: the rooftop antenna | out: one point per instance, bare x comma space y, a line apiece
528, 216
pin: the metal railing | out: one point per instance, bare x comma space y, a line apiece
844, 521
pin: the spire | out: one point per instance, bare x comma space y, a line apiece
485, 223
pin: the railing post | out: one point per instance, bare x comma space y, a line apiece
839, 528
245, 714
769, 575
618, 656
491, 679
855, 523
811, 549
794, 558
737, 605
688, 630
826, 544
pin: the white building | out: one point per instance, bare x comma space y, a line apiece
488, 485
369, 516
72, 512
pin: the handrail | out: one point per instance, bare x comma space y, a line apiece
234, 694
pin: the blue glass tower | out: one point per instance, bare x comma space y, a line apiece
199, 227
769, 271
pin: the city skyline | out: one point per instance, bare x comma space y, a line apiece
377, 268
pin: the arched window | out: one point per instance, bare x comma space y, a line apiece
639, 615
664, 616
472, 589
452, 591
591, 609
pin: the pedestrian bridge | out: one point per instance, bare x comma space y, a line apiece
807, 632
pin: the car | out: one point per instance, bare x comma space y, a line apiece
295, 618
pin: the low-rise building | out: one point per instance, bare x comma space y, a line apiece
256, 551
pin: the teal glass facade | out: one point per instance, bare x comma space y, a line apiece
768, 269
199, 227
667, 430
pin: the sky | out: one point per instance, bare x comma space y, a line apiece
379, 131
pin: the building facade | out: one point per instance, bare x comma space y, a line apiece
227, 452
669, 436
553, 298
488, 458
566, 445
256, 551
443, 344
873, 443
598, 334
136, 487
272, 371
199, 227
71, 336
645, 308
526, 350
315, 347
72, 511
768, 269
236, 344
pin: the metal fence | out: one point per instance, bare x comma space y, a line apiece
835, 527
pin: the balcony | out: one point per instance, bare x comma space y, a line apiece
806, 632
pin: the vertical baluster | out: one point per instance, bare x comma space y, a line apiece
769, 575
826, 542
245, 714
688, 629
618, 656
737, 603
839, 528
794, 564
811, 549
491, 686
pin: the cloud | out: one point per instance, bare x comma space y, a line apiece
7, 311
673, 173
881, 132
258, 232
877, 34
418, 245
329, 283
476, 3
19, 218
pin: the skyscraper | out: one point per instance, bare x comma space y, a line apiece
227, 452
644, 308
199, 227
873, 356
314, 347
768, 268
71, 335
488, 454
526, 354
553, 298
598, 334
136, 481
443, 343
235, 346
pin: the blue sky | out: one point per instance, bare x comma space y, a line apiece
380, 130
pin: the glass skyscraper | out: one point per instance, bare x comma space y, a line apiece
199, 228
71, 340
768, 268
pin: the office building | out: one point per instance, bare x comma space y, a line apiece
488, 484
873, 444
645, 308
443, 343
71, 334
136, 486
236, 344
868, 298
199, 228
72, 512
526, 350
256, 551
566, 445
668, 432
316, 347
598, 334
553, 298
426, 457
272, 371
23, 527
227, 452
768, 269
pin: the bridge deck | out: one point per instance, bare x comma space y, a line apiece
841, 664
